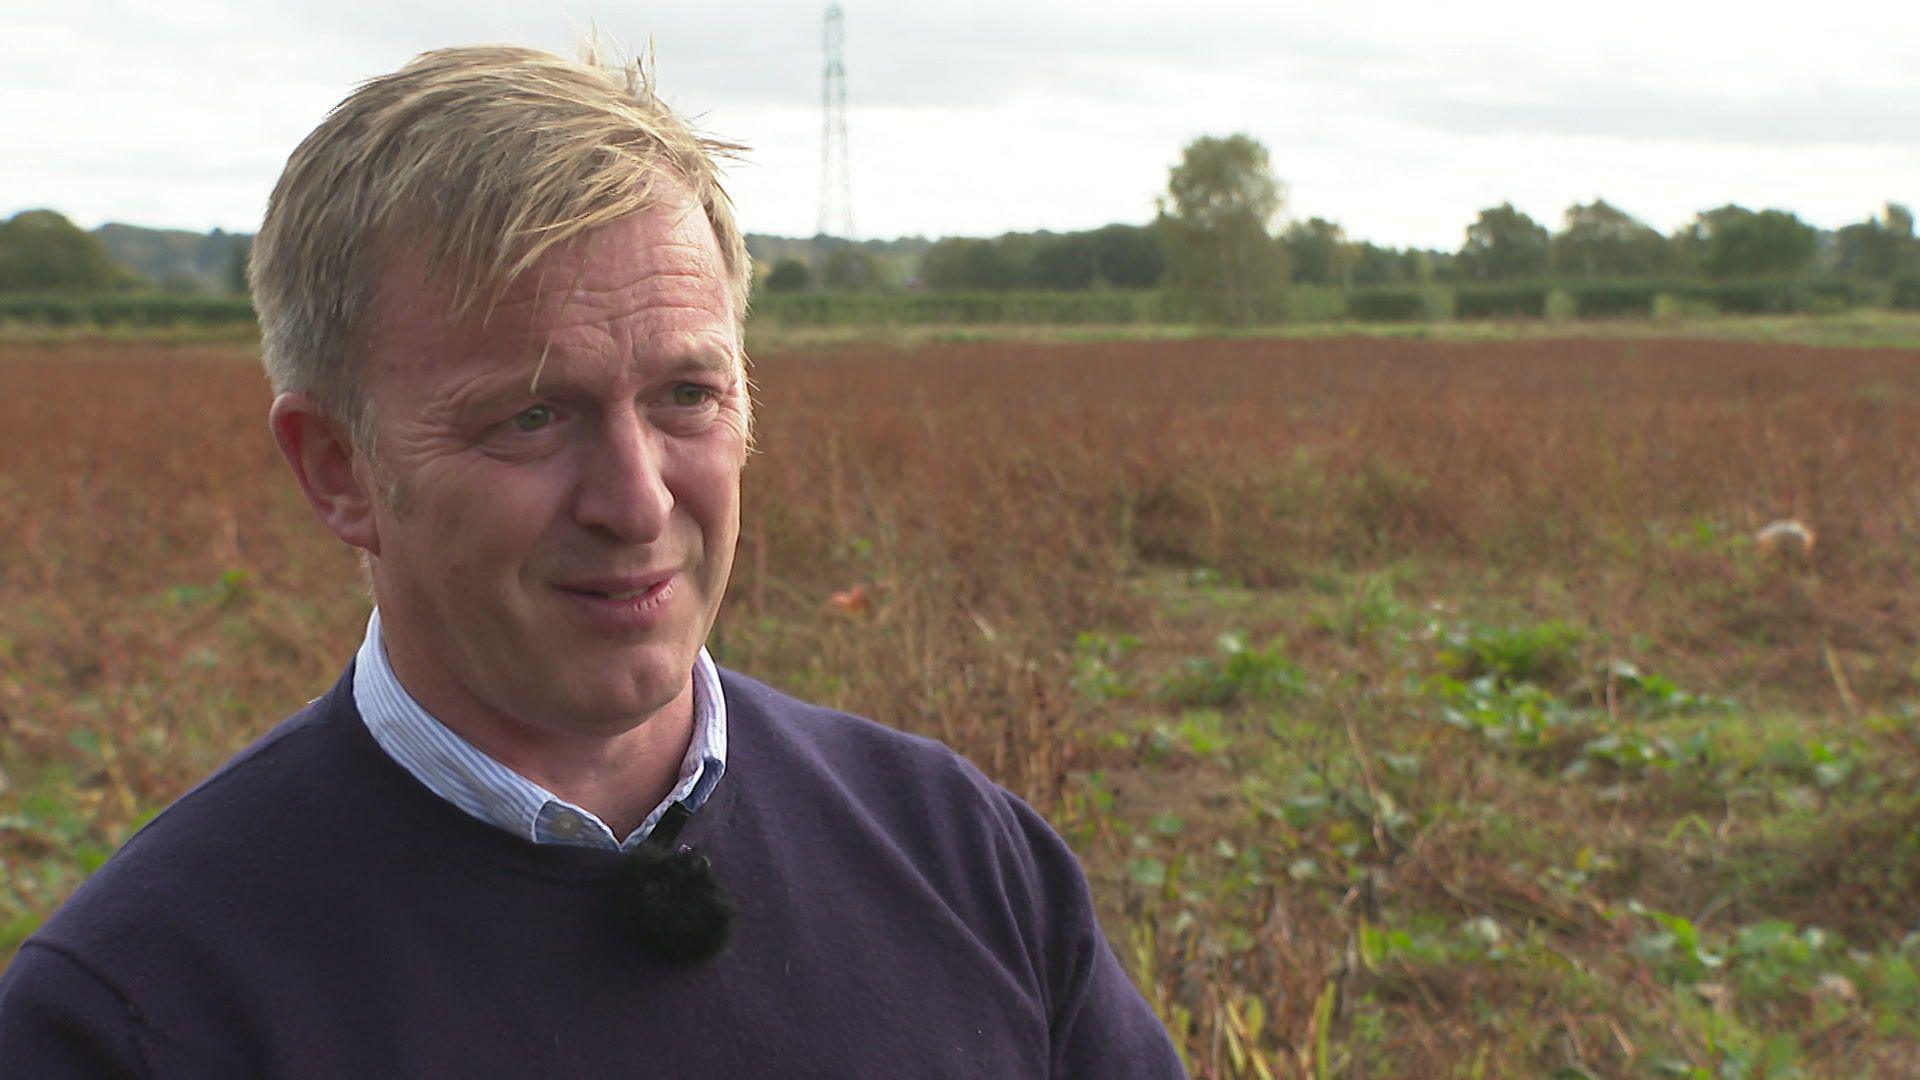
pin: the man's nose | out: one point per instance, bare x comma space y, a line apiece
623, 490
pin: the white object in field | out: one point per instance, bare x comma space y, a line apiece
1786, 536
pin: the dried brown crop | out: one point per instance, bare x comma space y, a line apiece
928, 535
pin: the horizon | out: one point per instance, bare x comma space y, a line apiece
1553, 226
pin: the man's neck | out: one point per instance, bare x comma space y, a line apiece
620, 777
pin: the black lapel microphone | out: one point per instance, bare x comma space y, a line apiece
670, 902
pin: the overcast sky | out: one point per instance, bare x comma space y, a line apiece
1398, 119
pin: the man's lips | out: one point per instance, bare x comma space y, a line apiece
625, 587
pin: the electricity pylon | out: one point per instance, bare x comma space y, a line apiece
836, 183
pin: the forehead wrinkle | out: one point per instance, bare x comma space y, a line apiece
552, 312
704, 266
546, 347
581, 368
467, 391
617, 327
559, 318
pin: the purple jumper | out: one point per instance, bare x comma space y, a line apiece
311, 910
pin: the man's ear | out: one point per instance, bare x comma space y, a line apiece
330, 473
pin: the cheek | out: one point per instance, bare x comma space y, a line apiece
474, 520
709, 487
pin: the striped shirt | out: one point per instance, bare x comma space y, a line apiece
459, 772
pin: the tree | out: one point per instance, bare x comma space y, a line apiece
1217, 214
1121, 256
1319, 252
1365, 263
1687, 248
1737, 242
960, 262
238, 257
852, 268
1504, 244
1016, 253
789, 275
180, 284
1600, 240
1128, 256
1878, 247
1062, 261
41, 251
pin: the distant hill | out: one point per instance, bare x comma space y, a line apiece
813, 250
178, 260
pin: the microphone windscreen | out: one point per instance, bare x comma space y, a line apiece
672, 905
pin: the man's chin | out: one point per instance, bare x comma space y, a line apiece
579, 678
616, 706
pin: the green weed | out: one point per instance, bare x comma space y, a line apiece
1094, 656
1512, 654
1240, 673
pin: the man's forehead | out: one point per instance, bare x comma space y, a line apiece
671, 241
661, 266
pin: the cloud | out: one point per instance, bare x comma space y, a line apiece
1398, 117
929, 55
1821, 117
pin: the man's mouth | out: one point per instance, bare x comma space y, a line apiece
636, 587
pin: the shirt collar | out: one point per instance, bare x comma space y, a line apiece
461, 773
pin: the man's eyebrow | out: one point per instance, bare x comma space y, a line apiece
492, 391
479, 396
705, 360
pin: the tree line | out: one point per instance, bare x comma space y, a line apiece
1214, 239
1215, 235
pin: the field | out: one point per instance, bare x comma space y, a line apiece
1420, 708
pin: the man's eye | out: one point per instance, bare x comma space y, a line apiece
532, 419
693, 395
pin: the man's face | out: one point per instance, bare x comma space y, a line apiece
565, 479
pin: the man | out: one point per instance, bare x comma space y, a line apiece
533, 830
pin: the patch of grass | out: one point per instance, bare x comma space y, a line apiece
1239, 673
1512, 655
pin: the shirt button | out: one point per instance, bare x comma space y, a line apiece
566, 825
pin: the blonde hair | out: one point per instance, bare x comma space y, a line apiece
482, 159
